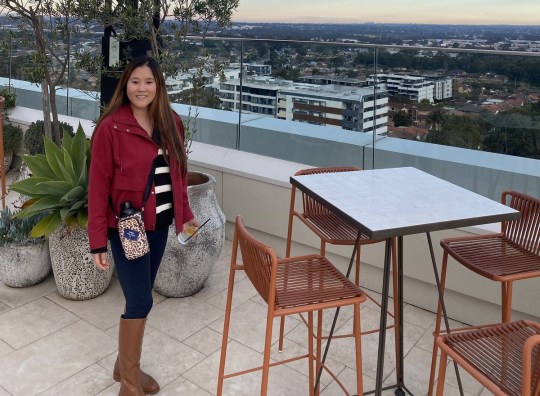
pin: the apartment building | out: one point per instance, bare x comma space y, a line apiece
332, 80
416, 88
338, 106
257, 95
442, 88
345, 107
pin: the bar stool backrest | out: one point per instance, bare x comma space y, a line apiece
310, 205
258, 260
525, 231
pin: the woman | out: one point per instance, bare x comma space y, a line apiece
137, 127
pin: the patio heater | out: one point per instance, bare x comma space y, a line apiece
115, 53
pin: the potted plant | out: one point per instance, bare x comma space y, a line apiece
185, 268
12, 141
24, 260
58, 187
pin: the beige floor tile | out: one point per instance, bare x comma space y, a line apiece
450, 390
243, 291
206, 341
103, 311
282, 379
3, 392
469, 383
163, 357
15, 297
348, 378
417, 368
89, 381
291, 350
111, 390
218, 280
30, 322
341, 349
426, 341
418, 316
53, 359
248, 325
5, 348
182, 386
182, 317
4, 308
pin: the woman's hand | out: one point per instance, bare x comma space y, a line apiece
192, 223
100, 259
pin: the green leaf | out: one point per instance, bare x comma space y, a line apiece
82, 218
63, 213
71, 220
75, 193
83, 177
54, 156
29, 187
67, 141
79, 150
39, 166
42, 205
56, 188
46, 226
70, 171
78, 205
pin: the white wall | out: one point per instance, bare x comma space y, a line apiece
257, 187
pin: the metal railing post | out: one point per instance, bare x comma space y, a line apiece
2, 160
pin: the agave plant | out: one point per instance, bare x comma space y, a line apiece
58, 185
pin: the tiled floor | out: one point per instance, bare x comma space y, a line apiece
53, 346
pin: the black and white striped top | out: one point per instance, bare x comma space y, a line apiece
163, 189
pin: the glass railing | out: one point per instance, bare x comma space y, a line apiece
440, 109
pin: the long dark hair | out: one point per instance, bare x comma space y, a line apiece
159, 111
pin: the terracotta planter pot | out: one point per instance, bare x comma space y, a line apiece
76, 275
25, 264
185, 268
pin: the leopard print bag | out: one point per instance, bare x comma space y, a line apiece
133, 236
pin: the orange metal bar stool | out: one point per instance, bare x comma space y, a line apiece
504, 358
333, 230
505, 257
312, 284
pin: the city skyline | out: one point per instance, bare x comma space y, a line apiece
479, 12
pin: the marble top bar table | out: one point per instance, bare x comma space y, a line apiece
387, 203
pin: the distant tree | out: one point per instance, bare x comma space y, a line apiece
402, 118
458, 131
436, 118
516, 132
47, 26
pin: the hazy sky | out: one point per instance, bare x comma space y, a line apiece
508, 12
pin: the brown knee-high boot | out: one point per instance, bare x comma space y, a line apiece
130, 339
148, 383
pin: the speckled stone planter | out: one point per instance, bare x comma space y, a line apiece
185, 268
26, 264
76, 275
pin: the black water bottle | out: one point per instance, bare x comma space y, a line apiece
126, 209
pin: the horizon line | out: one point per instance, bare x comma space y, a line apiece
387, 23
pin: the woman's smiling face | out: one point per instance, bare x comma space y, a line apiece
141, 87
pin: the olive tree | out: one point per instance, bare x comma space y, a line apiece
46, 27
165, 23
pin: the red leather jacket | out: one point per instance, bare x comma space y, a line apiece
122, 155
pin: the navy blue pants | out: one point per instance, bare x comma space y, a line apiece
137, 276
